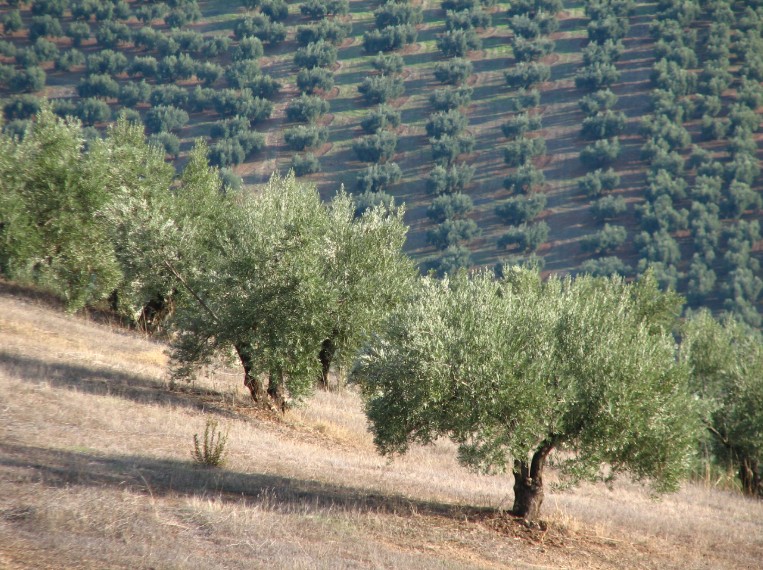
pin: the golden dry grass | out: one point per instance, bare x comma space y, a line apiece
95, 472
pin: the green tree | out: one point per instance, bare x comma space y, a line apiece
597, 101
605, 267
526, 74
367, 276
381, 88
725, 359
397, 14
41, 26
51, 231
388, 63
452, 232
332, 31
28, 80
457, 43
600, 153
378, 177
276, 10
446, 149
527, 236
603, 125
166, 118
520, 124
319, 9
454, 71
531, 50
521, 150
317, 54
514, 369
520, 209
524, 179
449, 179
595, 183
12, 21
304, 164
91, 111
248, 48
452, 260
316, 79
449, 207
376, 148
608, 207
305, 136
306, 108
262, 27
442, 123
389, 38
605, 240
451, 98
380, 118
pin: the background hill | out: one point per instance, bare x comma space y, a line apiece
677, 87
96, 471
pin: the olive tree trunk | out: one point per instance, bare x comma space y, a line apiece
528, 484
749, 475
277, 390
252, 381
326, 356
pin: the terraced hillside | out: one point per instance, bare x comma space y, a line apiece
608, 136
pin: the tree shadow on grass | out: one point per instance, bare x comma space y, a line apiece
164, 477
104, 381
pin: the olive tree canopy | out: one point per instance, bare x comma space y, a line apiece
726, 363
512, 369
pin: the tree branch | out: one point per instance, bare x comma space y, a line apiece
192, 292
716, 433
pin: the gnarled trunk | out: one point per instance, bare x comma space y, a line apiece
749, 475
528, 484
326, 356
253, 382
277, 390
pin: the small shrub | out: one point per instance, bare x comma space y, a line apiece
210, 451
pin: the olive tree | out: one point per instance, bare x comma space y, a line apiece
725, 358
53, 213
514, 369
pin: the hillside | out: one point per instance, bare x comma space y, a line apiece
95, 471
702, 133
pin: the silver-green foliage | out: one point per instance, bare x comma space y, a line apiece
268, 276
512, 368
726, 362
54, 205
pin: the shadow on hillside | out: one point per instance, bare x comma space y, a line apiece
104, 381
165, 477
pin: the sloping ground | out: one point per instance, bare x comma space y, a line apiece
95, 472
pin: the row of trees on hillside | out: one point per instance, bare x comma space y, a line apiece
531, 23
513, 369
395, 27
315, 79
143, 71
699, 193
608, 24
450, 141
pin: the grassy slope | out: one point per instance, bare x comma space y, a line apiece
95, 472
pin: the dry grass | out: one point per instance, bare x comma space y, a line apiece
96, 472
